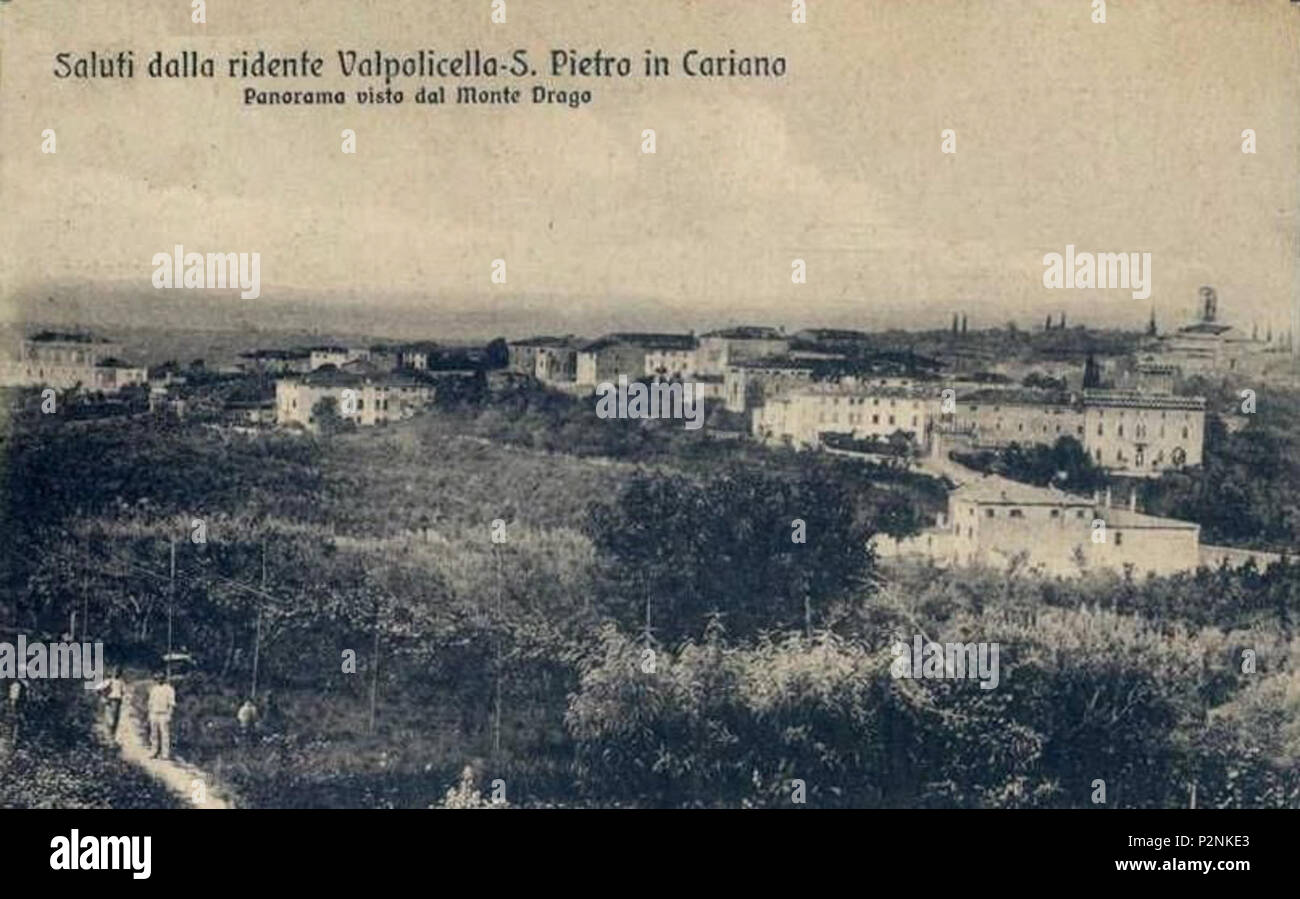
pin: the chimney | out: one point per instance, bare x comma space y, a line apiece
1132, 499
1107, 497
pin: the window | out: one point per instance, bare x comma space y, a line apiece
990, 513
1016, 513
891, 419
1184, 432
1078, 513
1119, 538
875, 419
1056, 513
1100, 429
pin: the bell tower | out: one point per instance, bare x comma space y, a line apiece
1209, 304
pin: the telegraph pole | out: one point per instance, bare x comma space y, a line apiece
171, 603
496, 722
85, 595
257, 640
374, 680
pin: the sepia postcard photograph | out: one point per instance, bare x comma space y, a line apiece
876, 407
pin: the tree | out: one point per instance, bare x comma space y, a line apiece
325, 414
763, 552
498, 353
1091, 373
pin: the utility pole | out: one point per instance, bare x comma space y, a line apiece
645, 585
171, 603
496, 722
85, 595
257, 639
374, 681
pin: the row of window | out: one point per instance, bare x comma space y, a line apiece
862, 401
1020, 513
856, 418
1116, 536
1140, 432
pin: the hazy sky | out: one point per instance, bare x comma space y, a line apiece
1117, 137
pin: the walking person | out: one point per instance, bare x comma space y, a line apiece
247, 718
114, 692
17, 695
162, 702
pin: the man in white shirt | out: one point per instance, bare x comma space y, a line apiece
162, 700
247, 718
114, 692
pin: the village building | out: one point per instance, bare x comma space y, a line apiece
365, 399
275, 361
744, 343
637, 355
1129, 433
862, 411
995, 521
338, 356
749, 383
70, 360
551, 360
416, 355
1140, 434
1210, 346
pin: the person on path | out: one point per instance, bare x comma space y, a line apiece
114, 692
162, 702
247, 718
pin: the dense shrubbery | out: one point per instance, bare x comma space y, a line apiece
536, 644
1246, 491
1065, 464
55, 761
755, 551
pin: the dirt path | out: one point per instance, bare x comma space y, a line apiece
191, 784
